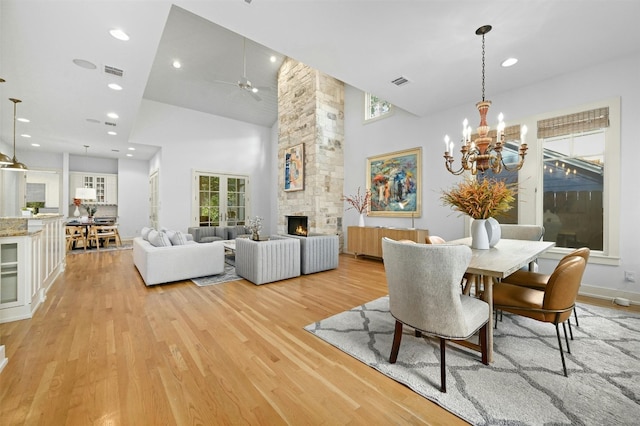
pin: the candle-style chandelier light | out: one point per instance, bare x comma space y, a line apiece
482, 152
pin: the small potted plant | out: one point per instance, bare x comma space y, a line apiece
255, 225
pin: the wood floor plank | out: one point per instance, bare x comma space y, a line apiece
106, 349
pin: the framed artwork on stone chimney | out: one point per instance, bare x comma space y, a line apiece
294, 168
395, 182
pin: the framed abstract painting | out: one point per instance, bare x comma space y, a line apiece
395, 182
294, 168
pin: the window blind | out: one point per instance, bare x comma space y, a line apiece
579, 122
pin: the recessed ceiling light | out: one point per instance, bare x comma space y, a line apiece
114, 86
112, 133
129, 155
35, 144
272, 58
24, 135
119, 34
82, 63
93, 120
176, 64
112, 115
131, 148
509, 62
24, 120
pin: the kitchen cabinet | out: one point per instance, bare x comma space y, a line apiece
106, 186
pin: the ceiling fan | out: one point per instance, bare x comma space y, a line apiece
244, 83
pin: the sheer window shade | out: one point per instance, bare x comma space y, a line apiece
579, 122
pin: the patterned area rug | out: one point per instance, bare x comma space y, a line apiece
126, 245
525, 384
228, 275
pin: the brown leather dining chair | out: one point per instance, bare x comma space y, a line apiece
553, 304
424, 294
539, 281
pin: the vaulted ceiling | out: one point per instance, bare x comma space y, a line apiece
366, 44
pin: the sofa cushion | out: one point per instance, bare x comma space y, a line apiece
159, 239
210, 239
177, 238
144, 233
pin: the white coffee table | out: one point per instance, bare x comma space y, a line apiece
229, 246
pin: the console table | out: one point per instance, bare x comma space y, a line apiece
367, 240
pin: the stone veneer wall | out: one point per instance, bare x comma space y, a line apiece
311, 111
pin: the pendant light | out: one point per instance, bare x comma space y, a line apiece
15, 165
4, 158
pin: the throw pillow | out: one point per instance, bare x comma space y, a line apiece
159, 239
178, 238
144, 233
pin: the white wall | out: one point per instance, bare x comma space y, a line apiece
190, 141
133, 197
403, 131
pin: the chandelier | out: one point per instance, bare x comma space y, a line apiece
483, 153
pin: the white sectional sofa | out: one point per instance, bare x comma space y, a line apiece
159, 265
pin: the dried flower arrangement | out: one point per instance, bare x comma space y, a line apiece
480, 198
255, 226
359, 202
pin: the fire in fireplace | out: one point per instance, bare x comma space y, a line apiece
297, 225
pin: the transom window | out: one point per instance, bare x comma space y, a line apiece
375, 108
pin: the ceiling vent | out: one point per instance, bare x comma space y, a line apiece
113, 71
400, 81
107, 123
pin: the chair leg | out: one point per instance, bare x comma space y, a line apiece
570, 329
564, 329
397, 337
575, 314
564, 366
443, 366
484, 347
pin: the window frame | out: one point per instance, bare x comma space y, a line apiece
367, 109
532, 172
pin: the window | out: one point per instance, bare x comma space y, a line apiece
220, 200
576, 196
573, 188
375, 108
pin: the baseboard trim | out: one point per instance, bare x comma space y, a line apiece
609, 294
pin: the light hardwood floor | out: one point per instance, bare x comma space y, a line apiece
106, 349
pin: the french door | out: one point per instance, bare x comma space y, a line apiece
154, 195
219, 199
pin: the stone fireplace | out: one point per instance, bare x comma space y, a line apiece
297, 225
311, 112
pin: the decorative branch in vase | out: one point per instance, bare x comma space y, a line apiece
359, 202
482, 200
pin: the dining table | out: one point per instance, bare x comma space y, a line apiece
500, 261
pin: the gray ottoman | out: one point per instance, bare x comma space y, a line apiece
318, 252
263, 262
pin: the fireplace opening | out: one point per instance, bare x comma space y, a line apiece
297, 225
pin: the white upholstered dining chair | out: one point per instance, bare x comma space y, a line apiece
424, 293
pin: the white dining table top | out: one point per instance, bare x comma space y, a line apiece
504, 258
